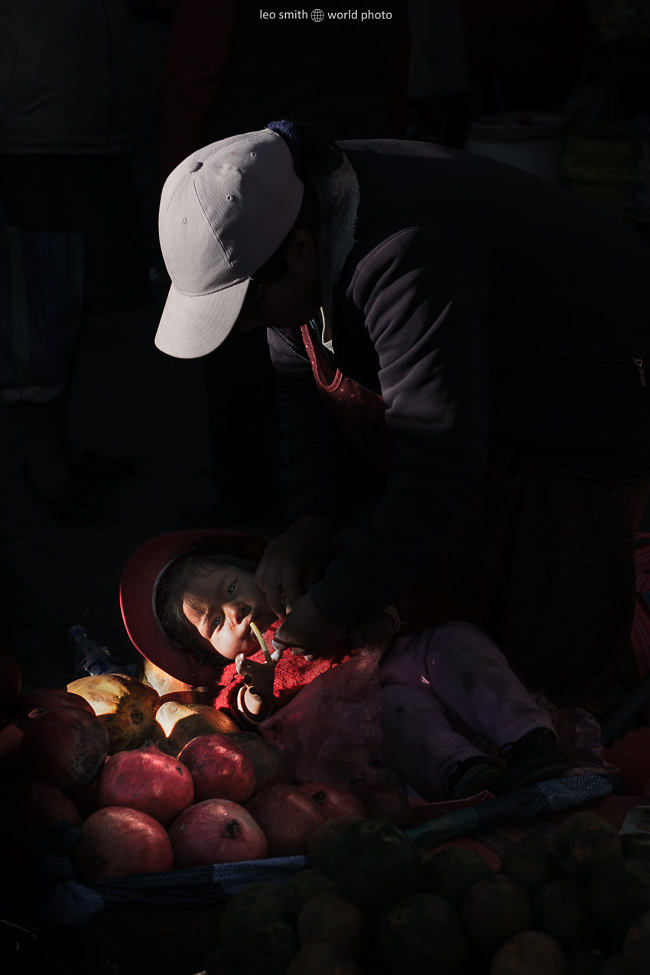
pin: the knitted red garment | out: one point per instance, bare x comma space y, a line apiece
292, 673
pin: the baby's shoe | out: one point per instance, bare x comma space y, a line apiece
476, 774
535, 758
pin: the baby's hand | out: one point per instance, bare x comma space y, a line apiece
257, 697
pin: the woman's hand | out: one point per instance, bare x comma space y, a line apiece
376, 631
294, 561
307, 632
257, 694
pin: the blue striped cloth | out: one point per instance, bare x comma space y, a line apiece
70, 904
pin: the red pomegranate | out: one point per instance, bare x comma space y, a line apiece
30, 809
51, 697
268, 763
287, 817
220, 768
11, 738
334, 801
125, 706
216, 831
146, 779
118, 842
64, 745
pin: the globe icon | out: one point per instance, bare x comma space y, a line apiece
317, 15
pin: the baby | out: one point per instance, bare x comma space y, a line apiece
446, 698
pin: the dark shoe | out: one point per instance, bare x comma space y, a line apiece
69, 502
477, 774
89, 465
536, 757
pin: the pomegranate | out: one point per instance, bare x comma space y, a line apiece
384, 801
64, 745
51, 697
124, 705
171, 689
216, 831
287, 817
11, 737
180, 722
117, 842
148, 780
334, 801
162, 682
30, 809
267, 760
220, 768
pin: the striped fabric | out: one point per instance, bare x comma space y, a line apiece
67, 903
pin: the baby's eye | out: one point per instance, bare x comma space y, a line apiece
232, 587
214, 624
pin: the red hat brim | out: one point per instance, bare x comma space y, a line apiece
138, 592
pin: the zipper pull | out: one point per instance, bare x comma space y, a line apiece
640, 366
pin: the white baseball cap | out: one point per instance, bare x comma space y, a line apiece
223, 212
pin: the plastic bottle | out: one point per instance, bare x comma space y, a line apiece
91, 656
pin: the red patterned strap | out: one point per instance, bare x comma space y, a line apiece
327, 378
358, 410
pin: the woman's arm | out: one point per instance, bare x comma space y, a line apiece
424, 307
424, 304
292, 562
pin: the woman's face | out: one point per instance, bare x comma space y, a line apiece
221, 605
291, 299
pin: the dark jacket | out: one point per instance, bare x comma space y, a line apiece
487, 307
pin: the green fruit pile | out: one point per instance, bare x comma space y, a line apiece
575, 902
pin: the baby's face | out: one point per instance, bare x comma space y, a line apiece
221, 605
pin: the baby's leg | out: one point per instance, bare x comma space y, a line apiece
466, 671
418, 741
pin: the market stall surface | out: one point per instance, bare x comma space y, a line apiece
128, 396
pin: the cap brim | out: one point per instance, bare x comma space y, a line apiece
194, 325
138, 592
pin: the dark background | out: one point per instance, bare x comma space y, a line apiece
127, 395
